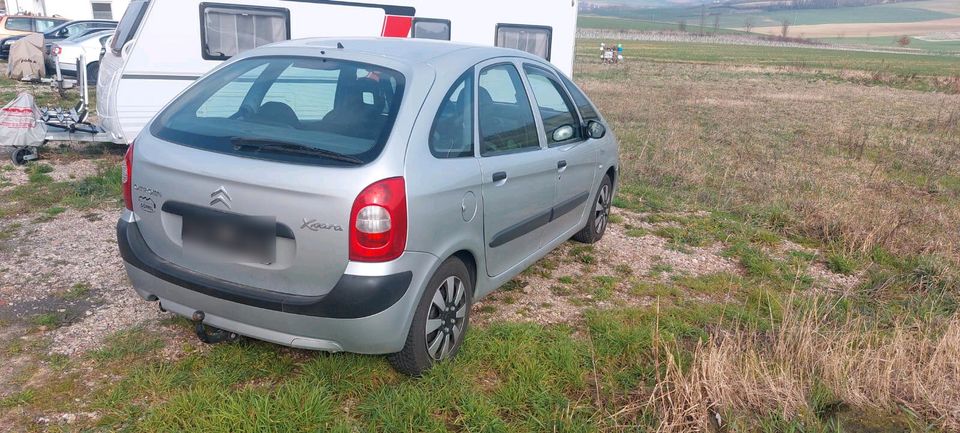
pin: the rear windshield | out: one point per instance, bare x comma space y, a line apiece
290, 109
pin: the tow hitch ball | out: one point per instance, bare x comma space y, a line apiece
209, 334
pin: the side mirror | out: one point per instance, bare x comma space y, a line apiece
563, 133
596, 130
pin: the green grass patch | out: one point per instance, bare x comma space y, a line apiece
42, 194
127, 344
77, 291
50, 320
905, 65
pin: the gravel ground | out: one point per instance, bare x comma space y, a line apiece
62, 171
69, 267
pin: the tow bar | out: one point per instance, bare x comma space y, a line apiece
210, 334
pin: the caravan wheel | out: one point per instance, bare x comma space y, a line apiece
19, 155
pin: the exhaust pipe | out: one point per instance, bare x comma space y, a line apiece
210, 334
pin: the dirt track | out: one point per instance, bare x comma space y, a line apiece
866, 29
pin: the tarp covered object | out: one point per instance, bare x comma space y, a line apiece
20, 123
26, 58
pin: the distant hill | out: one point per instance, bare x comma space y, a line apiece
931, 24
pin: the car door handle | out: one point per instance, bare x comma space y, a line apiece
499, 176
562, 165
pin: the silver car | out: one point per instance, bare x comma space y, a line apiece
360, 194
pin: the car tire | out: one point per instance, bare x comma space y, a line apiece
440, 322
599, 214
93, 70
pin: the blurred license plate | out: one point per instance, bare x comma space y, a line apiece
230, 238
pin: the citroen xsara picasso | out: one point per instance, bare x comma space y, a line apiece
358, 195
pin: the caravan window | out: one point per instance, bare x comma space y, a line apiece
102, 11
535, 40
229, 30
129, 24
429, 28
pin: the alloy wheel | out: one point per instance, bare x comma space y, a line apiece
602, 209
446, 318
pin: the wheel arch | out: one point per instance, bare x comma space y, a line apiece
470, 260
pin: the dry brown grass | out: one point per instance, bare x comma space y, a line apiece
848, 164
761, 374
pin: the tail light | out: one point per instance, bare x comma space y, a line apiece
126, 178
56, 50
378, 222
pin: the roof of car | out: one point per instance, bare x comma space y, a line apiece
36, 16
404, 49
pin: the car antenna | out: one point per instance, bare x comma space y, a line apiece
339, 45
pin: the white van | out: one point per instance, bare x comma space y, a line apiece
161, 46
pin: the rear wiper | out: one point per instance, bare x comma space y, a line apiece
277, 146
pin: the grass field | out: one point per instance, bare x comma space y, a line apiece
890, 41
781, 160
811, 59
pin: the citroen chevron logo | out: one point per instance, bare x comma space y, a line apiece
220, 196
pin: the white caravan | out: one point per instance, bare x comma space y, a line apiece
161, 46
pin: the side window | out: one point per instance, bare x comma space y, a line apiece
427, 28
19, 24
532, 39
556, 110
506, 118
76, 29
44, 25
586, 108
129, 24
229, 30
452, 133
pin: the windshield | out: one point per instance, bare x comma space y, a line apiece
291, 109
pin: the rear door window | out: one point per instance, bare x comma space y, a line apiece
452, 132
535, 40
288, 109
507, 124
556, 110
129, 24
19, 24
230, 30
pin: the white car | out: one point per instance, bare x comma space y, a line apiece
69, 50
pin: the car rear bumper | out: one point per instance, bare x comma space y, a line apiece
366, 313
